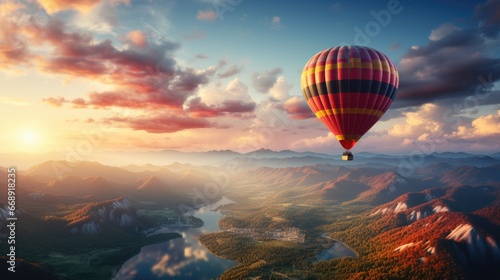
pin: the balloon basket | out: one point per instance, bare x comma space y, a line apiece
347, 156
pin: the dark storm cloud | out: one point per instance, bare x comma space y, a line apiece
456, 63
489, 16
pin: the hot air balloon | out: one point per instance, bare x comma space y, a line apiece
349, 88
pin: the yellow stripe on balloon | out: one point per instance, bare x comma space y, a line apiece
339, 111
351, 137
376, 64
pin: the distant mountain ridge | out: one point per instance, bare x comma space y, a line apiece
472, 175
344, 183
257, 157
80, 187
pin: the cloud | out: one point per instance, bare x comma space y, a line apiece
109, 99
298, 109
102, 18
276, 23
280, 91
427, 120
487, 125
82, 6
78, 103
489, 17
55, 101
442, 31
432, 125
137, 38
201, 56
234, 108
144, 73
207, 15
453, 64
54, 6
233, 70
482, 126
229, 100
218, 93
160, 123
428, 126
329, 142
14, 50
160, 90
265, 80
9, 7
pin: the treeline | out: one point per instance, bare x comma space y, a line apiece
305, 218
374, 239
256, 222
252, 255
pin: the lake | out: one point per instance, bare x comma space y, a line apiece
181, 258
338, 250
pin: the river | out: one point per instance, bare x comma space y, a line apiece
181, 258
338, 250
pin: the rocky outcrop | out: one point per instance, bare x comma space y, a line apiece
94, 217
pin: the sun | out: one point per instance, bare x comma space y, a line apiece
30, 137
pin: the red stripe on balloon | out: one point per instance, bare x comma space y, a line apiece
367, 123
330, 123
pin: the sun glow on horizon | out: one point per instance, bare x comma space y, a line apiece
30, 139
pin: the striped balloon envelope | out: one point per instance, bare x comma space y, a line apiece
349, 88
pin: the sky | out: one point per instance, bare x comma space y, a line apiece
200, 75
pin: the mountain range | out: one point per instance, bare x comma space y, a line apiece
438, 215
284, 158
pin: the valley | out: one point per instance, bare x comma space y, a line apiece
313, 221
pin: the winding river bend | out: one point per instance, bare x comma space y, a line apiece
181, 258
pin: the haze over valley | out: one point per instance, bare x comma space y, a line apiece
285, 213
